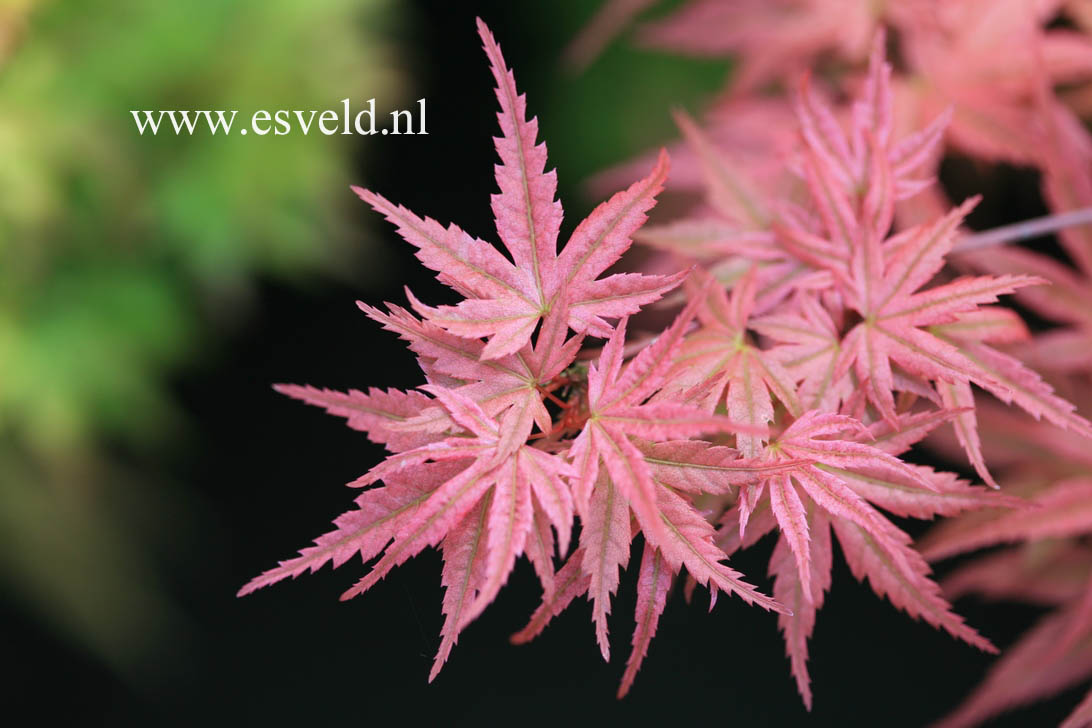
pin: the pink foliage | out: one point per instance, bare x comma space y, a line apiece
1005, 80
823, 334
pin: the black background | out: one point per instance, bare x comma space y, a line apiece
258, 476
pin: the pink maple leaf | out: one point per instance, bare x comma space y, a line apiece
724, 365
834, 479
506, 299
493, 499
616, 411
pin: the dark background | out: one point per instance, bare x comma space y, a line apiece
255, 476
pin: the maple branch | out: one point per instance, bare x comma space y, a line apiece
559, 402
1025, 230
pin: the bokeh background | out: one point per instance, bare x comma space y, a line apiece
153, 288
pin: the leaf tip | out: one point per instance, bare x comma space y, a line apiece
663, 160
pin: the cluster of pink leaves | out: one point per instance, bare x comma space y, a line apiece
1046, 558
997, 80
846, 331
814, 348
480, 465
994, 65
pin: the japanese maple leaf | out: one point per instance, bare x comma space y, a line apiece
1044, 559
1064, 510
499, 450
617, 411
1051, 469
506, 299
1054, 655
512, 381
1067, 186
592, 569
997, 65
498, 492
609, 20
1066, 300
721, 362
995, 62
466, 477
833, 481
771, 38
375, 412
647, 484
900, 335
744, 199
736, 155
854, 178
866, 159
683, 470
380, 511
368, 529
810, 344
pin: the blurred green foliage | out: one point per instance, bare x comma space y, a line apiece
115, 246
108, 239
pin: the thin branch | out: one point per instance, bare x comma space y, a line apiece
1024, 230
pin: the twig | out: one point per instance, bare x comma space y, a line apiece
1024, 230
